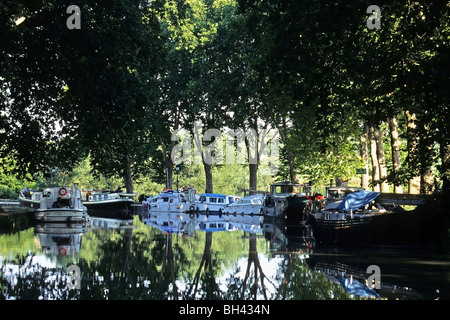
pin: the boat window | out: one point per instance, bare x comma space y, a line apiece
202, 198
213, 200
220, 200
165, 199
220, 225
333, 194
213, 225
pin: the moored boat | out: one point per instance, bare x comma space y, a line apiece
173, 201
61, 204
286, 200
112, 205
250, 205
360, 220
356, 208
99, 203
213, 203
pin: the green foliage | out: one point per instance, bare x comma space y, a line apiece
137, 71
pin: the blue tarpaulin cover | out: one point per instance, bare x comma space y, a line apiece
356, 200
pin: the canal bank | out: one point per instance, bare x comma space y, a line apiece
14, 219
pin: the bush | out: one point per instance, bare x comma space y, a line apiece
8, 193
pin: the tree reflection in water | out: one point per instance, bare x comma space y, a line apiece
142, 262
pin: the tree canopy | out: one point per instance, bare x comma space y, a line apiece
343, 96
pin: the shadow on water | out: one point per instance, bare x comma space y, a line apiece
180, 256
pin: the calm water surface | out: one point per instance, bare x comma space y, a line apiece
182, 257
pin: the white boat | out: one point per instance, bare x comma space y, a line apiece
173, 201
101, 203
285, 199
249, 205
214, 202
61, 204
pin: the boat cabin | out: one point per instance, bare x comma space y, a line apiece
217, 198
339, 193
251, 200
287, 189
169, 196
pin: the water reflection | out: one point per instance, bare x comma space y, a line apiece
60, 240
182, 256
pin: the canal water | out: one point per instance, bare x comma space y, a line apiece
181, 257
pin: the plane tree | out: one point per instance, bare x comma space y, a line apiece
70, 92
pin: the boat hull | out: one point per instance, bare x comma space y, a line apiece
290, 208
61, 215
295, 208
205, 208
113, 209
173, 208
416, 228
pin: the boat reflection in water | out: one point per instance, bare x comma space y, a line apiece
350, 270
64, 239
289, 237
196, 256
172, 222
57, 239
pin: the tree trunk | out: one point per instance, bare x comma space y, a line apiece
168, 164
381, 159
128, 175
426, 162
169, 173
290, 156
253, 160
427, 181
444, 146
206, 167
445, 157
374, 158
208, 175
412, 145
365, 156
395, 147
253, 168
